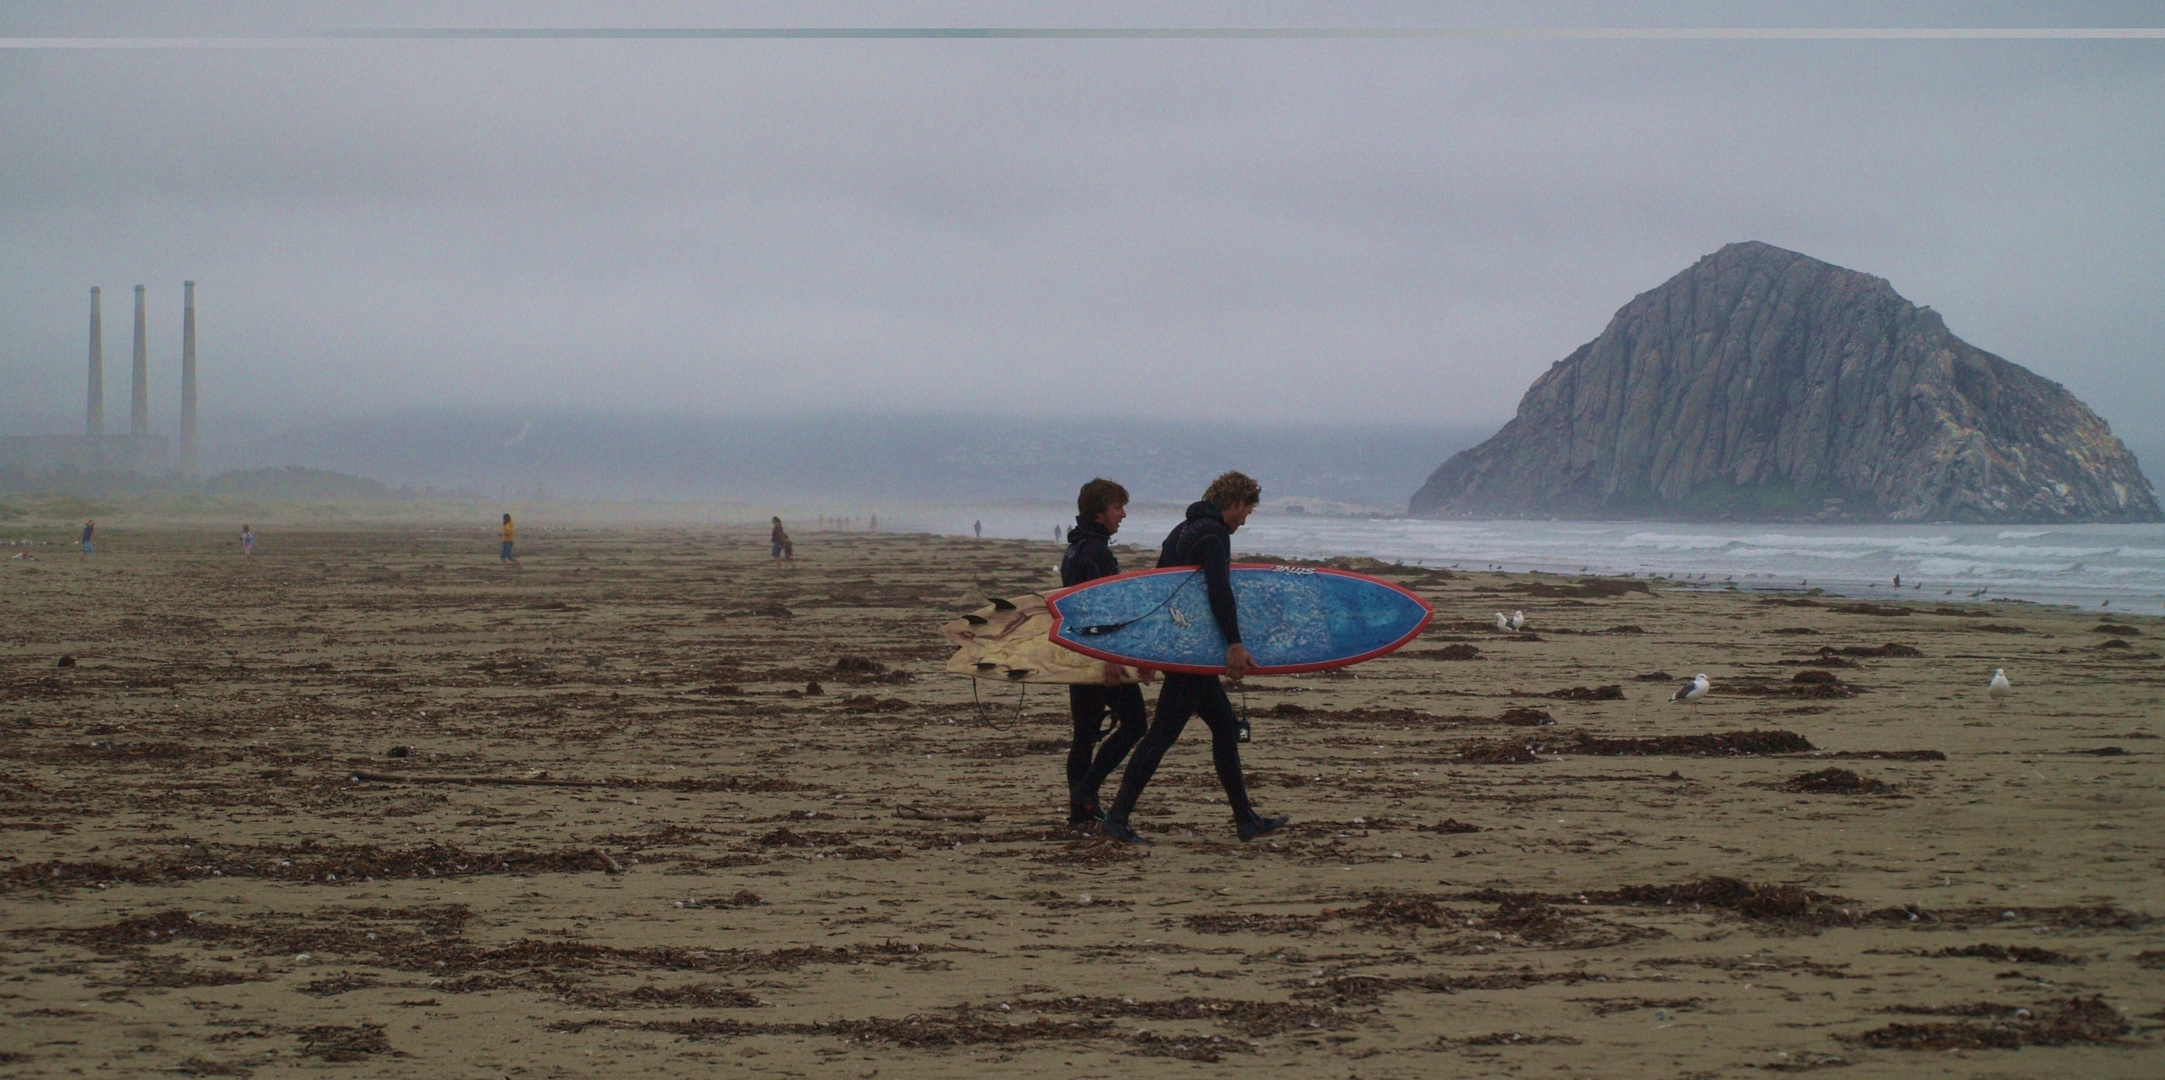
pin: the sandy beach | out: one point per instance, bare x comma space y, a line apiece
735, 819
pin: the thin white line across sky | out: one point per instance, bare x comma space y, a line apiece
327, 37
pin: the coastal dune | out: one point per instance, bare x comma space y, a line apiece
652, 804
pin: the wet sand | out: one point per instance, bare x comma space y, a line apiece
700, 863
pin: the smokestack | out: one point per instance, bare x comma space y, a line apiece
94, 416
187, 381
139, 407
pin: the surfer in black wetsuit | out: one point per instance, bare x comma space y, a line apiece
1100, 507
1204, 540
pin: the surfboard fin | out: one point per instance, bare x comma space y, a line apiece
1002, 605
976, 620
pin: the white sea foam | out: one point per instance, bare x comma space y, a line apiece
2080, 564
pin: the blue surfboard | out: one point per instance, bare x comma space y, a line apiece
1292, 619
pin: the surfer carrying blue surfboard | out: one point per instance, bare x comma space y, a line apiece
1099, 509
1204, 540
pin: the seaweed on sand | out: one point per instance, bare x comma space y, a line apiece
1988, 1026
335, 1042
1724, 742
1832, 781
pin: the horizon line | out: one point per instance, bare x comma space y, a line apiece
324, 38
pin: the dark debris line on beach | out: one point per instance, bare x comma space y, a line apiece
679, 725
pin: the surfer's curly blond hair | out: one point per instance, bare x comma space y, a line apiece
1234, 489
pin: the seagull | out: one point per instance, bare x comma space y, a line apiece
1691, 692
1502, 623
1517, 621
1999, 687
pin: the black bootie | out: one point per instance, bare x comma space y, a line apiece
1116, 827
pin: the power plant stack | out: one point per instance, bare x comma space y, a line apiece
187, 382
94, 418
139, 409
138, 451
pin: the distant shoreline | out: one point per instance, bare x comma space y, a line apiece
2080, 566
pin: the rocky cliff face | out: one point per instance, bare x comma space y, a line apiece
1764, 384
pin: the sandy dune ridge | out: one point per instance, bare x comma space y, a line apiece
1510, 853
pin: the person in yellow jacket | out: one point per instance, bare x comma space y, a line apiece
509, 555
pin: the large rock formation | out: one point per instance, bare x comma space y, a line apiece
1764, 384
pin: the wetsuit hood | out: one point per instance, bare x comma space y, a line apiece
1089, 553
1204, 540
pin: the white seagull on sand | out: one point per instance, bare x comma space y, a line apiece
1691, 692
1518, 621
1503, 623
1999, 687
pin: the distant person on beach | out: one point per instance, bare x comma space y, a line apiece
89, 527
785, 550
1205, 541
1099, 509
248, 541
978, 527
509, 553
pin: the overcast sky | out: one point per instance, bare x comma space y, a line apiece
1394, 230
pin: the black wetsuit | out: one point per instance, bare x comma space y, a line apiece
1089, 557
1202, 540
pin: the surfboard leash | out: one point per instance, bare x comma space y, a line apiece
1107, 628
1022, 707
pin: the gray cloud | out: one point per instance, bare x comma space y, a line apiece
1384, 231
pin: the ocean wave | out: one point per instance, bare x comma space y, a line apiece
2127, 571
2055, 565
1679, 542
2022, 551
1798, 553
1988, 570
1866, 540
